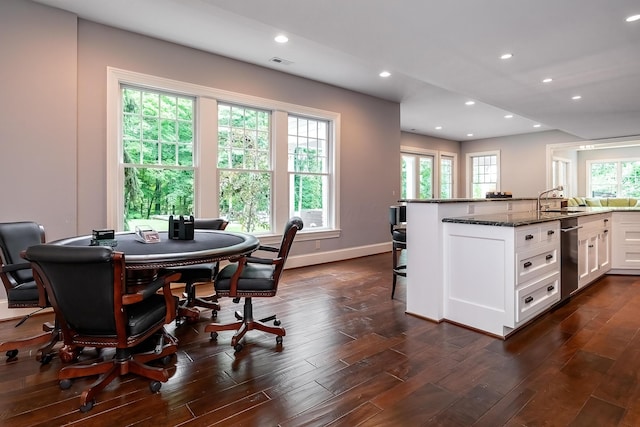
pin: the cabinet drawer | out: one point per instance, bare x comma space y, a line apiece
530, 236
533, 263
537, 297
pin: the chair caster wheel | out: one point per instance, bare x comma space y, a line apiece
277, 322
155, 386
12, 353
87, 406
278, 340
214, 314
214, 335
238, 348
165, 360
65, 384
46, 359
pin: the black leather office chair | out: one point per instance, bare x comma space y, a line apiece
193, 275
254, 277
86, 287
397, 221
22, 291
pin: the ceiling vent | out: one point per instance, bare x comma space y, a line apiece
280, 61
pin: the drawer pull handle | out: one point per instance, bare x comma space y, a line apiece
590, 246
550, 232
527, 300
606, 231
528, 237
548, 257
527, 264
550, 288
606, 220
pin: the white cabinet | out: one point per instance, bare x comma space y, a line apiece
499, 278
625, 253
594, 247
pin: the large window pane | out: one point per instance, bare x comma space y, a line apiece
426, 177
604, 179
619, 178
244, 162
308, 164
245, 200
158, 170
151, 195
446, 177
484, 174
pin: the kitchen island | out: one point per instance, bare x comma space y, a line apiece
488, 264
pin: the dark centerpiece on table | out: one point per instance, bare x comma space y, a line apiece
181, 228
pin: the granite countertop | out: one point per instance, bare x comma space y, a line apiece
518, 219
498, 199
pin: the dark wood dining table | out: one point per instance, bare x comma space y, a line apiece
144, 261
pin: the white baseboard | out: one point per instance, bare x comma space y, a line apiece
339, 255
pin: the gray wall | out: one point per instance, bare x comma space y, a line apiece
370, 127
522, 160
38, 90
53, 110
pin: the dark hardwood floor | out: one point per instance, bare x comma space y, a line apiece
352, 357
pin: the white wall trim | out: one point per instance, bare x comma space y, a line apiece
339, 255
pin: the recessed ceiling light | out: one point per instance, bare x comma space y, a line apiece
547, 80
469, 134
438, 127
576, 97
632, 18
469, 103
537, 125
509, 116
506, 56
281, 38
385, 74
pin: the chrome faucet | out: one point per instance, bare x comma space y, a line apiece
538, 204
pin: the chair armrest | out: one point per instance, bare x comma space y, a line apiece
151, 289
15, 267
256, 260
267, 248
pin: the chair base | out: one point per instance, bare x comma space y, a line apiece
124, 362
49, 337
246, 323
186, 308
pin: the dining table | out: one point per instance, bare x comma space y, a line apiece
144, 261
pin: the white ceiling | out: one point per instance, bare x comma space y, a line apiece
441, 53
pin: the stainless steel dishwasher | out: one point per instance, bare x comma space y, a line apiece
568, 257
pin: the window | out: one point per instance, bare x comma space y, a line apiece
484, 172
179, 148
560, 173
426, 174
244, 167
308, 166
417, 176
614, 178
157, 156
447, 163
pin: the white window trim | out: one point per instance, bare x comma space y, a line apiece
206, 99
469, 169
